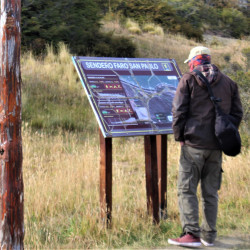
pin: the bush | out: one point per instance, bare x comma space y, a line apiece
234, 21
246, 53
148, 27
161, 13
153, 29
133, 27
222, 17
157, 31
190, 32
109, 45
243, 79
75, 22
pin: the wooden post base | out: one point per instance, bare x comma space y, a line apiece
106, 179
162, 174
151, 176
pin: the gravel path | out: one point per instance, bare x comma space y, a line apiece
224, 242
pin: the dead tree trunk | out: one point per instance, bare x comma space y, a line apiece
11, 180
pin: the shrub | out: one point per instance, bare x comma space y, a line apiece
246, 53
148, 27
157, 31
234, 22
133, 27
161, 13
153, 29
114, 46
75, 22
129, 23
243, 79
227, 58
135, 30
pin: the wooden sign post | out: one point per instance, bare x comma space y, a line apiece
11, 182
156, 176
151, 176
161, 141
106, 178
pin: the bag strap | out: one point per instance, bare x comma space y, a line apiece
211, 94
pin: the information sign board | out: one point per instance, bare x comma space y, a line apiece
130, 96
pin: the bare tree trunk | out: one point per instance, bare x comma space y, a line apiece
11, 179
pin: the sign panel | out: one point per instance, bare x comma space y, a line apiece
130, 96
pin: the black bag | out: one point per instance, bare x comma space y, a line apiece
225, 131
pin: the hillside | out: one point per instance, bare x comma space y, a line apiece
53, 107
50, 22
61, 154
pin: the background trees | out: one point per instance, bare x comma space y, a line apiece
226, 18
74, 22
77, 22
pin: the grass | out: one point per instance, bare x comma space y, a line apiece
153, 29
133, 27
61, 160
61, 176
52, 94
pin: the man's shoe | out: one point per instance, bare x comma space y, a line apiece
207, 244
186, 240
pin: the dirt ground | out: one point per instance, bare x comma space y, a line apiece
224, 242
233, 242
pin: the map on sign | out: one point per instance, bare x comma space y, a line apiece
130, 96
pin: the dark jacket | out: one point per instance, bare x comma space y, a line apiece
194, 113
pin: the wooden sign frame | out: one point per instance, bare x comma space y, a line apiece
155, 147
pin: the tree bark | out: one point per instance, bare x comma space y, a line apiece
11, 179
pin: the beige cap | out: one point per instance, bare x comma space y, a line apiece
199, 50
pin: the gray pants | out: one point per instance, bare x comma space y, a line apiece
205, 166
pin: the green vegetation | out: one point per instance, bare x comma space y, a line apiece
160, 13
189, 17
243, 79
77, 23
235, 23
47, 101
45, 22
221, 17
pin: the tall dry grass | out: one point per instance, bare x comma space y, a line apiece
56, 69
61, 170
61, 176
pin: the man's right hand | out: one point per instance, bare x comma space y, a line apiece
182, 143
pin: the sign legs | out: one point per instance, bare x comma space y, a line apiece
162, 173
156, 176
151, 176
106, 178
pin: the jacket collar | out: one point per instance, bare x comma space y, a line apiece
214, 82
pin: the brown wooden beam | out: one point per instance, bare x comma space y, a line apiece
162, 173
106, 178
151, 176
11, 179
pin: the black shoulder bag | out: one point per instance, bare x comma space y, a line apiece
225, 131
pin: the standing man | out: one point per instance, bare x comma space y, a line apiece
201, 157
